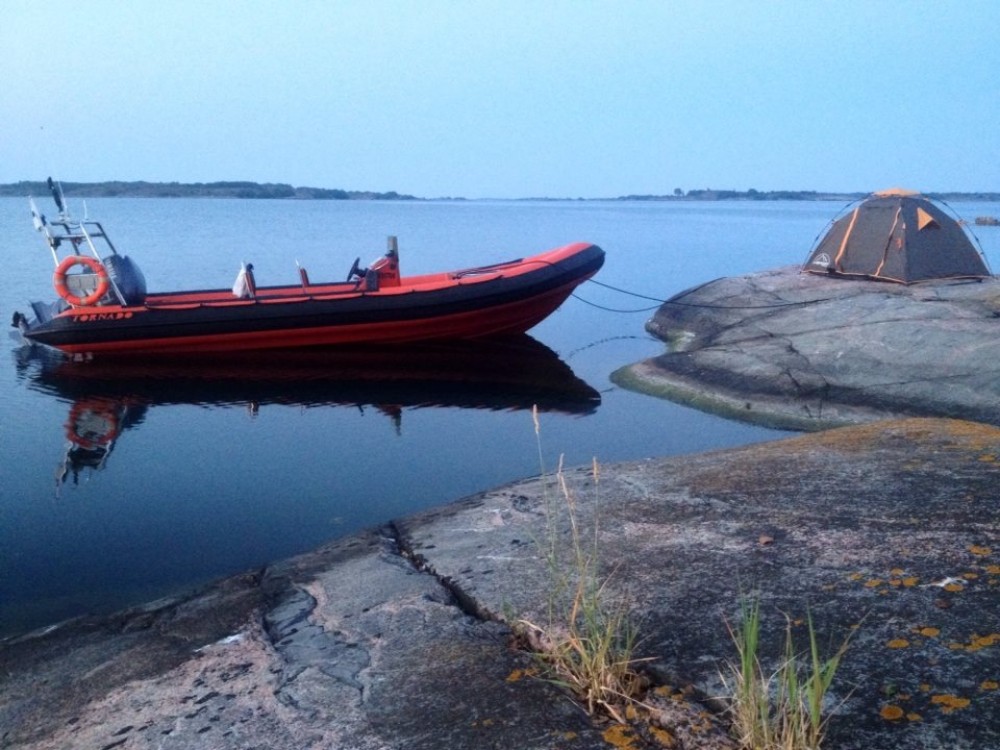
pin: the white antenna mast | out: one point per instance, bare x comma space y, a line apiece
37, 219
41, 225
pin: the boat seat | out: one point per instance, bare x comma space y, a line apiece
81, 284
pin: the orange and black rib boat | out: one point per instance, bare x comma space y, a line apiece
104, 307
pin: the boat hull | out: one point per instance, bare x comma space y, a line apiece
507, 298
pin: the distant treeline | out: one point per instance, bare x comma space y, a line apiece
280, 190
194, 190
789, 195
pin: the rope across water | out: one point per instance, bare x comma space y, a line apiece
674, 301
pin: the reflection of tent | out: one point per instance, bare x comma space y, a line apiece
897, 235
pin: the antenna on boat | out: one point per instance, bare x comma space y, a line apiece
41, 225
57, 195
36, 217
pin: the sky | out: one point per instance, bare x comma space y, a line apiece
507, 99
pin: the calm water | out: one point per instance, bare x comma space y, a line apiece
119, 486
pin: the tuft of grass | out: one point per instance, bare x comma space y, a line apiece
588, 643
783, 709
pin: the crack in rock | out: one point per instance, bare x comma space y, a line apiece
461, 599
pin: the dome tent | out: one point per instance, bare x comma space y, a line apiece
897, 235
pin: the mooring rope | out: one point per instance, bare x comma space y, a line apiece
626, 291
674, 301
613, 309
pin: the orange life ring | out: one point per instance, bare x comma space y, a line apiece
92, 423
59, 280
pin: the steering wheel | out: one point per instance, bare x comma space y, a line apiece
355, 269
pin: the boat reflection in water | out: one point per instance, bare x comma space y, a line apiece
109, 397
92, 427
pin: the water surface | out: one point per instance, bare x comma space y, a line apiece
118, 485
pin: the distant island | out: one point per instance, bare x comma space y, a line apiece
119, 189
281, 191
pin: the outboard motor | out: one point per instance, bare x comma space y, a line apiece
126, 276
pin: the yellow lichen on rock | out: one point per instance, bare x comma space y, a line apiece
983, 641
949, 703
662, 736
891, 713
620, 736
519, 674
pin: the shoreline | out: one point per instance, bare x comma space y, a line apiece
399, 637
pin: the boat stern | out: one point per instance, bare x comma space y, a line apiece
26, 327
